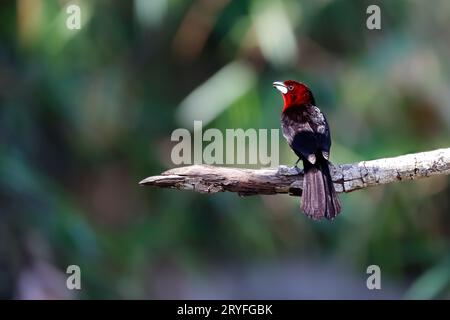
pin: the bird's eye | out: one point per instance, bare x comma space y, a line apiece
291, 88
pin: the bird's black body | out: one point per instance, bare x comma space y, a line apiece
307, 132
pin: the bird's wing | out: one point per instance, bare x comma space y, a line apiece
322, 130
325, 139
308, 135
299, 134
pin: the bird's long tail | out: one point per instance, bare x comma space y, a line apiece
319, 197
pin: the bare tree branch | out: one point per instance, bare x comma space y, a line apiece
346, 177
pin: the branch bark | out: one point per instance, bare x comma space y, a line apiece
346, 177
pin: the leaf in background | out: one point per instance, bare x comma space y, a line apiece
275, 32
211, 98
432, 283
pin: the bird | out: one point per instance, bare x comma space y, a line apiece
307, 132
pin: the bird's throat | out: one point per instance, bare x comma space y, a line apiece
290, 106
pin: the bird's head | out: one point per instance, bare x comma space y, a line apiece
294, 93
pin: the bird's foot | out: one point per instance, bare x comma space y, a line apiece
289, 171
296, 169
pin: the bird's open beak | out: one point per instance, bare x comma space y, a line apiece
280, 86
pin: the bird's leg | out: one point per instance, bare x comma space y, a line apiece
288, 171
295, 165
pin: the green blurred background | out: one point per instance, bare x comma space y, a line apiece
85, 115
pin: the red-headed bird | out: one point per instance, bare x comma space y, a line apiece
306, 130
